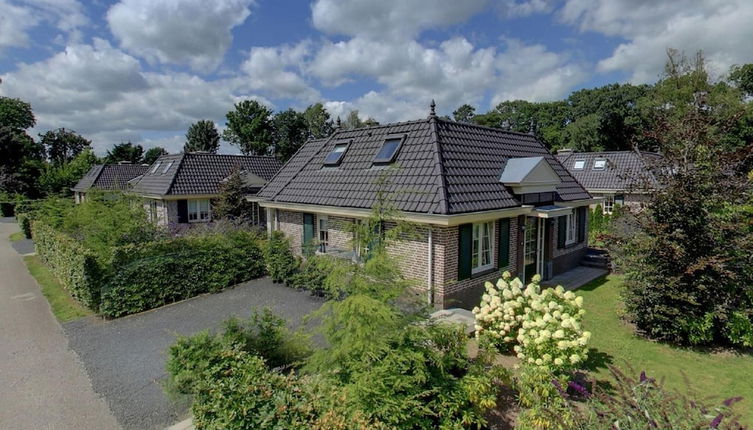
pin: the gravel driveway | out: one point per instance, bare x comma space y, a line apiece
125, 358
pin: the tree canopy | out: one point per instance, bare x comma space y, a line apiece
63, 145
290, 133
202, 136
152, 154
125, 151
249, 127
16, 114
318, 121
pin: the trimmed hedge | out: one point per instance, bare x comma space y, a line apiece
75, 266
146, 276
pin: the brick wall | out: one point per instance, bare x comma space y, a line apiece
291, 223
339, 236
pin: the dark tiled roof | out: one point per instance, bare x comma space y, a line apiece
442, 167
624, 170
200, 173
110, 176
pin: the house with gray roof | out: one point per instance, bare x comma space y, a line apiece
484, 200
108, 177
178, 189
617, 177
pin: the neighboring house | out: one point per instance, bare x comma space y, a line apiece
483, 199
108, 177
618, 177
178, 189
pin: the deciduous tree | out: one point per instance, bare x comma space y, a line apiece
63, 145
152, 154
202, 136
249, 127
318, 121
290, 133
125, 151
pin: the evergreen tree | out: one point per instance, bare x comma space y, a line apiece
152, 154
232, 203
464, 113
124, 151
202, 136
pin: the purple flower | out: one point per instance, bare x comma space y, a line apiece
557, 385
731, 401
579, 388
643, 377
715, 424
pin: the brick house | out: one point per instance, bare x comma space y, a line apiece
483, 200
178, 189
107, 177
616, 177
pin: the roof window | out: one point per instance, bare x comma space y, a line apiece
600, 164
167, 167
156, 167
335, 157
579, 164
388, 151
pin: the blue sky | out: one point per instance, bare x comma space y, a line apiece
143, 70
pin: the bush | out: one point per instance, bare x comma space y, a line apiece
149, 275
281, 263
72, 264
543, 327
313, 275
25, 223
541, 395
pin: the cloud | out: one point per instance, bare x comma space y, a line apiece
278, 71
516, 8
721, 28
17, 19
192, 32
390, 19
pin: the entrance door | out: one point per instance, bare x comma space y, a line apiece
308, 234
530, 248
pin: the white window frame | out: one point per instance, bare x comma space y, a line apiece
323, 233
571, 229
608, 206
602, 164
195, 211
153, 215
478, 247
579, 164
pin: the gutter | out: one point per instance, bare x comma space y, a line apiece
430, 289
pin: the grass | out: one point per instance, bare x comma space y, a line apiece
718, 375
15, 237
64, 307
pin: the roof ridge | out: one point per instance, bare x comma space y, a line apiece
374, 127
303, 166
177, 170
439, 163
486, 127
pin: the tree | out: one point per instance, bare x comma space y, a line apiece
318, 121
58, 179
249, 127
125, 151
546, 120
152, 154
742, 76
63, 145
232, 203
352, 121
16, 114
21, 162
202, 136
464, 113
291, 132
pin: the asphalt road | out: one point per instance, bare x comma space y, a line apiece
43, 385
125, 358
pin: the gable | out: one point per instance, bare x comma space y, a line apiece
529, 175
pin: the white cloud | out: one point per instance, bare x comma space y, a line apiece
721, 28
17, 19
192, 32
390, 19
517, 8
278, 71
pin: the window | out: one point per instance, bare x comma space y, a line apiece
608, 204
156, 166
600, 164
388, 151
153, 211
167, 167
481, 258
571, 228
579, 164
336, 156
323, 233
198, 210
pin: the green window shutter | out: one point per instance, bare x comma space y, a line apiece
504, 242
308, 233
561, 231
581, 224
182, 211
465, 249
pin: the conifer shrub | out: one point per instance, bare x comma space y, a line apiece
281, 263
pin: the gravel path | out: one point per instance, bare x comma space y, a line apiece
125, 358
42, 382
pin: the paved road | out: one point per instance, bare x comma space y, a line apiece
42, 382
125, 358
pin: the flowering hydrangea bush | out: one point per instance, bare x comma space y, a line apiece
542, 327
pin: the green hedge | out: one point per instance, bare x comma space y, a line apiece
146, 276
74, 266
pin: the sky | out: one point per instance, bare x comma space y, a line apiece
144, 70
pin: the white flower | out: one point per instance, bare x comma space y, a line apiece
579, 301
539, 362
574, 358
559, 334
558, 361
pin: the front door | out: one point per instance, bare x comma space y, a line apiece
530, 248
308, 234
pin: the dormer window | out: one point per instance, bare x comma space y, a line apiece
167, 167
579, 164
336, 156
156, 167
388, 152
600, 164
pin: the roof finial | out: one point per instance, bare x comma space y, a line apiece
338, 123
432, 108
532, 128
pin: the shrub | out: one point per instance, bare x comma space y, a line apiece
149, 275
281, 263
641, 403
543, 327
25, 223
542, 401
313, 275
72, 264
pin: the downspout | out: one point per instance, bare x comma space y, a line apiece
431, 267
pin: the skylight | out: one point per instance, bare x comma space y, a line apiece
579, 164
169, 165
388, 151
156, 166
600, 164
336, 156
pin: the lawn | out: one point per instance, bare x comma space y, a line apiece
15, 237
719, 375
64, 307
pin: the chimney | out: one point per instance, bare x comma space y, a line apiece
565, 151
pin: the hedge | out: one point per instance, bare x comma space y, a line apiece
72, 264
149, 275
